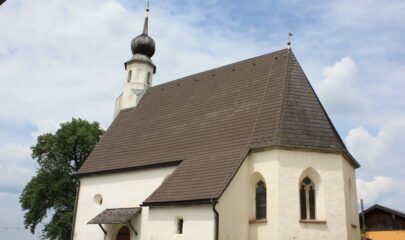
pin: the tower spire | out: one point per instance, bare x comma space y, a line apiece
145, 26
143, 43
139, 69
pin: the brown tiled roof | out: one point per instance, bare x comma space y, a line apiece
209, 121
115, 215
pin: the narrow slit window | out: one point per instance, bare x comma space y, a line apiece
179, 226
129, 76
261, 203
148, 80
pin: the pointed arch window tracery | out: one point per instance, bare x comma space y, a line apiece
307, 199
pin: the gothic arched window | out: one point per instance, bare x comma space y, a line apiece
261, 200
307, 199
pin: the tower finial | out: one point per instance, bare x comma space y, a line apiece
145, 26
147, 8
289, 40
143, 44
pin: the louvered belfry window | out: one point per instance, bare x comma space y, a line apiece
261, 200
307, 199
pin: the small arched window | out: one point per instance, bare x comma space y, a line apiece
148, 79
129, 76
307, 199
261, 200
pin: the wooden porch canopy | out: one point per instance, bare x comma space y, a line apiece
116, 216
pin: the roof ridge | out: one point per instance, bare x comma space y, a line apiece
326, 115
218, 68
283, 98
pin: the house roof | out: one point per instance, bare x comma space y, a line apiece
115, 215
208, 122
385, 209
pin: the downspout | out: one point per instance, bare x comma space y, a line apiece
216, 219
75, 210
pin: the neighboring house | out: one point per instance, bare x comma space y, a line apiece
240, 152
383, 223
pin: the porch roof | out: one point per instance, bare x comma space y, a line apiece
115, 216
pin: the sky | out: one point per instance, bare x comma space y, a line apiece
64, 59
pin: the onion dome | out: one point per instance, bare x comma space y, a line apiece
143, 44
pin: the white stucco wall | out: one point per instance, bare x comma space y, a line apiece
137, 80
119, 190
352, 211
282, 170
198, 222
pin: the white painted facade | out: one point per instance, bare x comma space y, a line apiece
198, 222
138, 79
280, 170
118, 190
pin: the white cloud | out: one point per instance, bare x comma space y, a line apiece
45, 126
16, 167
68, 60
382, 147
372, 191
14, 177
380, 154
365, 146
338, 89
13, 152
64, 59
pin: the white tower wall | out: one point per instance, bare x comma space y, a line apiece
137, 81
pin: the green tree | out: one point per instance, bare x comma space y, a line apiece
52, 190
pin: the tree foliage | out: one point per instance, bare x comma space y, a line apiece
52, 190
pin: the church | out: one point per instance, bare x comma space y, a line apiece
244, 151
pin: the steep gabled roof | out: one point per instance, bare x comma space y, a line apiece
209, 121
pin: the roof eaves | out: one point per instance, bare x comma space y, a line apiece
125, 169
178, 203
345, 153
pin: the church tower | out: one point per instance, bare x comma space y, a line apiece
139, 70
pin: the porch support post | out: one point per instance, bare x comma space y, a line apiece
105, 232
133, 229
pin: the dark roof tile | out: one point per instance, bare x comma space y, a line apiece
115, 216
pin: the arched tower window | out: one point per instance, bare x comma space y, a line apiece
261, 200
148, 80
129, 75
307, 199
